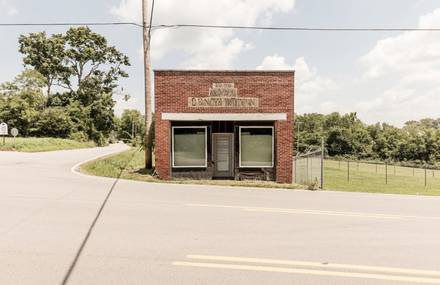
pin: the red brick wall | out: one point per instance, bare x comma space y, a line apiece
273, 88
162, 147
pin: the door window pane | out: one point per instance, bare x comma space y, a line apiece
189, 148
256, 147
222, 153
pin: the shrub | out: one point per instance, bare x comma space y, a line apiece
79, 137
314, 185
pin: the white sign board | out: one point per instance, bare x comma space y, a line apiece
14, 132
3, 129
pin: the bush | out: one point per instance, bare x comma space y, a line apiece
79, 137
313, 185
100, 139
54, 122
113, 137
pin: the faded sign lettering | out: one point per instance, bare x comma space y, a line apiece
223, 95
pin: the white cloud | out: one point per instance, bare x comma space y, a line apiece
121, 104
409, 64
8, 8
274, 62
204, 48
311, 89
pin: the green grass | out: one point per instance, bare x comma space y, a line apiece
41, 144
112, 166
365, 179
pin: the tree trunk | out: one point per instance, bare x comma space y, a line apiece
49, 87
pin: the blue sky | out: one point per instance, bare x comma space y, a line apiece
389, 77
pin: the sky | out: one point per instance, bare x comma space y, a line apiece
388, 77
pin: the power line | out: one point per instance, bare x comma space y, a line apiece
72, 24
322, 29
232, 27
151, 23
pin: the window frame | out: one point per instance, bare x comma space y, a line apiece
239, 146
206, 146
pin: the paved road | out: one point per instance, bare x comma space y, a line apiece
182, 234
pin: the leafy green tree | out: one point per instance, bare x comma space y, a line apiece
338, 142
131, 126
87, 68
22, 101
45, 55
89, 55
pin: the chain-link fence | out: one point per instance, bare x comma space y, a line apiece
353, 172
308, 169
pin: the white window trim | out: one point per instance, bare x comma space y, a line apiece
206, 146
239, 146
264, 117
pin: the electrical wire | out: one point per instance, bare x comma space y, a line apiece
151, 23
72, 24
322, 29
235, 27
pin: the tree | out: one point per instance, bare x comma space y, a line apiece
22, 101
131, 126
67, 60
83, 64
338, 142
87, 55
45, 55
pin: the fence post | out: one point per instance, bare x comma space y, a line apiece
357, 166
348, 170
307, 169
322, 163
296, 162
339, 163
376, 167
413, 171
386, 173
394, 170
425, 175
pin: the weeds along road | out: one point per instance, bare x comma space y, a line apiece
184, 234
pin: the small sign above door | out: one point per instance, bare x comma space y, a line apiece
223, 90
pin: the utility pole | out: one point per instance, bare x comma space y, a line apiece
146, 42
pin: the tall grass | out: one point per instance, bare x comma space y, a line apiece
41, 144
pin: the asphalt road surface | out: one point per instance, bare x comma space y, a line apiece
184, 234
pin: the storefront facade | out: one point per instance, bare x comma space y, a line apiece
224, 124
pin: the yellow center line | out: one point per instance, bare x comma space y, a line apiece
314, 212
315, 264
309, 272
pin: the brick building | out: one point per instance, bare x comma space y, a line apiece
224, 124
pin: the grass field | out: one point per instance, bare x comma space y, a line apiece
41, 144
131, 163
364, 178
